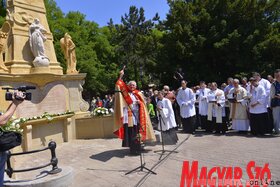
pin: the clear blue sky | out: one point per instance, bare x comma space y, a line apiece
100, 11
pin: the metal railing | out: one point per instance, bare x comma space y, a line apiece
53, 162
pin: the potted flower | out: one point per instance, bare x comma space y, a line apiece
100, 111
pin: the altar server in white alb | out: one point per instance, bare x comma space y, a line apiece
216, 109
186, 100
238, 110
203, 106
258, 109
167, 121
267, 85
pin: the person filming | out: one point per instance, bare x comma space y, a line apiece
4, 118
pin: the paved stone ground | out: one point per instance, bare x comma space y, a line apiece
102, 162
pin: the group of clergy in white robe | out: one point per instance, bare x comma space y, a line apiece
211, 108
248, 107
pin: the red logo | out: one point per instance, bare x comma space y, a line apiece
229, 176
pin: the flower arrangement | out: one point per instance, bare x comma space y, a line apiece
100, 111
48, 116
15, 124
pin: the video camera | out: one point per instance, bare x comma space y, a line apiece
9, 95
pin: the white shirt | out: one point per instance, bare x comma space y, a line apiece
135, 111
186, 101
258, 95
266, 84
167, 114
202, 101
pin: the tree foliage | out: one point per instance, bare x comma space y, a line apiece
2, 12
136, 44
213, 39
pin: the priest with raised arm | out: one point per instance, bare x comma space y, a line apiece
131, 119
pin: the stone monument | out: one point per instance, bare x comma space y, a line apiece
27, 57
29, 22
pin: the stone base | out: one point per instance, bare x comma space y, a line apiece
62, 179
39, 70
95, 127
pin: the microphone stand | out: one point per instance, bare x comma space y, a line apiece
163, 150
142, 162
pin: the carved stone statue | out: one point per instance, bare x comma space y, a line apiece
36, 41
68, 48
4, 32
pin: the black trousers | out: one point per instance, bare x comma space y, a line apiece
130, 138
219, 127
258, 123
270, 125
176, 109
205, 124
189, 124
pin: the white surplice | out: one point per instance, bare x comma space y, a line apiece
266, 85
167, 115
216, 110
135, 111
258, 96
202, 101
186, 101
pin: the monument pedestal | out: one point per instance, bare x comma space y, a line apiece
53, 94
40, 70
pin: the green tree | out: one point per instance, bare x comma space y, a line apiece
214, 39
136, 44
2, 12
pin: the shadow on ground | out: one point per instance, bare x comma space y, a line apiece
107, 155
234, 133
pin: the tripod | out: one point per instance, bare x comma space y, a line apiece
162, 141
142, 164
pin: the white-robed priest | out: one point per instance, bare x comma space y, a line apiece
186, 100
203, 106
166, 119
216, 109
258, 109
238, 110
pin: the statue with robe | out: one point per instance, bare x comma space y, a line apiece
68, 47
36, 41
4, 32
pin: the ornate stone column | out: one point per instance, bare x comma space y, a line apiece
19, 58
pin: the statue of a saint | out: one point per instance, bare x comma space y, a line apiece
68, 48
36, 41
4, 32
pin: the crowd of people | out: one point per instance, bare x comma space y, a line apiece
246, 105
106, 102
